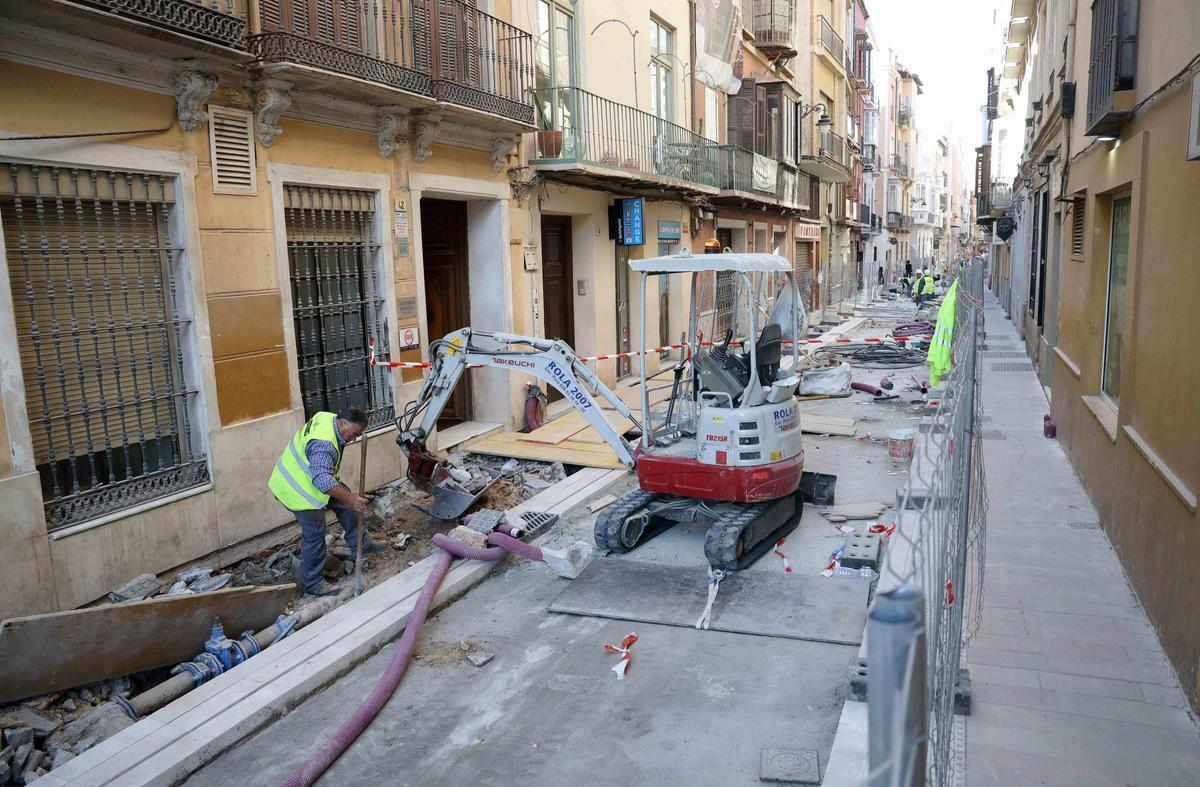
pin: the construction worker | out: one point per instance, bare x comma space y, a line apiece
905, 284
305, 481
925, 288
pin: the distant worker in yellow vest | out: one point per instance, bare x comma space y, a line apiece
305, 481
925, 288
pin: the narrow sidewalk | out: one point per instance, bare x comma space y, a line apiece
1070, 683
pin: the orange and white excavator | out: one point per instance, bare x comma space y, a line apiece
723, 448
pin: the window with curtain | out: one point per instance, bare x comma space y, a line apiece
661, 92
554, 67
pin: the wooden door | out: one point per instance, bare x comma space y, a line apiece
557, 281
447, 295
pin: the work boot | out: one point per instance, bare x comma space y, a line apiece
323, 589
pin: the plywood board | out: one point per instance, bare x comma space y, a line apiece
827, 424
632, 396
44, 653
567, 452
619, 423
796, 606
556, 431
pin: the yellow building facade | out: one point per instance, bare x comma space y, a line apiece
208, 217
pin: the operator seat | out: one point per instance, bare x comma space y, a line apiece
768, 352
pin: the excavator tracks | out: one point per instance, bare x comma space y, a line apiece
737, 541
611, 522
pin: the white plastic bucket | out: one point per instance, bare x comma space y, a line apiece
900, 445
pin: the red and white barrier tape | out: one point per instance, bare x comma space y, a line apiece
622, 665
787, 566
663, 349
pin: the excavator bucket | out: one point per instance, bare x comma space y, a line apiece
451, 499
424, 469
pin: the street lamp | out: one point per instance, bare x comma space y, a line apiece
633, 42
823, 122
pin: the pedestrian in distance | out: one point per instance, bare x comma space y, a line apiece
305, 481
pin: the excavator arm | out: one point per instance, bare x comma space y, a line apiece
552, 361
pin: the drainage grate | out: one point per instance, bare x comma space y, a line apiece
1084, 525
993, 434
1012, 367
998, 354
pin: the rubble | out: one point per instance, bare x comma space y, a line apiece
480, 657
140, 587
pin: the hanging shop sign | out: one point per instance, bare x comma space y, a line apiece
807, 231
1005, 227
631, 231
670, 230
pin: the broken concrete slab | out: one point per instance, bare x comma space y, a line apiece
16, 737
99, 723
209, 584
118, 639
480, 657
140, 587
24, 717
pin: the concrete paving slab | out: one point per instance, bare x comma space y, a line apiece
811, 607
697, 707
1106, 707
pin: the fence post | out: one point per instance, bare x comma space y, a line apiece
896, 702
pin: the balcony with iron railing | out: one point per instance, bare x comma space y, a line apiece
773, 25
860, 69
831, 45
898, 221
213, 25
1112, 66
745, 175
870, 157
586, 138
415, 50
827, 159
1001, 196
900, 167
904, 116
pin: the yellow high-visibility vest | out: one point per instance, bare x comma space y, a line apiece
928, 285
941, 349
291, 480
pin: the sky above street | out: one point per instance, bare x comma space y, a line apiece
950, 44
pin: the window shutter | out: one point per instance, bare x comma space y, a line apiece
231, 145
1077, 226
740, 116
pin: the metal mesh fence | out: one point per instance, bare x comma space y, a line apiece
929, 599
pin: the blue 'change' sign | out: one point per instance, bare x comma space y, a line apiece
632, 227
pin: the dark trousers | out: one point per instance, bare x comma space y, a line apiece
312, 539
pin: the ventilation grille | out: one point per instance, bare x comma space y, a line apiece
1077, 226
1012, 367
993, 434
231, 144
999, 354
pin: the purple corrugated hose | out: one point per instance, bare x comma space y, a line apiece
513, 545
330, 750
